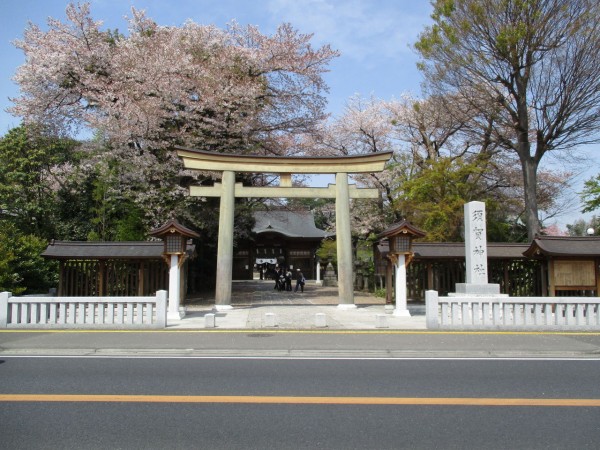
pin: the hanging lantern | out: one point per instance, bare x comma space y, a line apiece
175, 237
175, 243
401, 243
400, 237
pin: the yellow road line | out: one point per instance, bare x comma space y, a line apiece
452, 401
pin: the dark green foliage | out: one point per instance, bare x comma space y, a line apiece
434, 198
28, 162
591, 194
22, 269
113, 215
327, 252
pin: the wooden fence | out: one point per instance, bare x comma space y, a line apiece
112, 277
515, 277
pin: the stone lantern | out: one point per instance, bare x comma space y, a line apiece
400, 237
175, 238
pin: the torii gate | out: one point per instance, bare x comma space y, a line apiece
228, 189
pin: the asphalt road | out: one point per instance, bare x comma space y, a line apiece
265, 403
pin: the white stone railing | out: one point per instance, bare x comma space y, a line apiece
512, 313
83, 312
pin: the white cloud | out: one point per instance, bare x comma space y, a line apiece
358, 28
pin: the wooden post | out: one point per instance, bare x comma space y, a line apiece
388, 283
597, 293
140, 289
61, 279
101, 279
544, 279
551, 278
429, 277
507, 289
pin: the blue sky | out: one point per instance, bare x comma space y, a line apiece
373, 36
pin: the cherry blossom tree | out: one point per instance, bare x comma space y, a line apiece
416, 131
443, 156
365, 126
226, 90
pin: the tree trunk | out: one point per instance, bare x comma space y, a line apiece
532, 221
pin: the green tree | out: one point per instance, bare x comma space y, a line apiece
29, 161
113, 215
327, 252
532, 66
22, 269
8, 277
580, 227
434, 198
131, 226
591, 194
73, 217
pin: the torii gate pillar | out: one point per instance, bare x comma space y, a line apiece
344, 242
225, 242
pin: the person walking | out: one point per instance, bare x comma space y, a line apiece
299, 281
280, 281
288, 280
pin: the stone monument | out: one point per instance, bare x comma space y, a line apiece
476, 254
329, 279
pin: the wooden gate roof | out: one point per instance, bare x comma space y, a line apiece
107, 250
296, 224
456, 250
566, 246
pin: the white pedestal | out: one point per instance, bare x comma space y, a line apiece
320, 320
174, 312
209, 321
223, 307
401, 307
175, 315
270, 320
381, 321
346, 306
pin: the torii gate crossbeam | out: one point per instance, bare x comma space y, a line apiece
228, 189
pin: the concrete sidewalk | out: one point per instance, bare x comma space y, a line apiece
256, 305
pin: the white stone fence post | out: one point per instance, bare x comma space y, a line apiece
83, 312
512, 313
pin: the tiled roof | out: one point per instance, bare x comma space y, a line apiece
452, 250
296, 224
402, 225
106, 250
174, 226
564, 246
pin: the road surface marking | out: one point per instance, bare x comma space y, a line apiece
335, 357
437, 401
